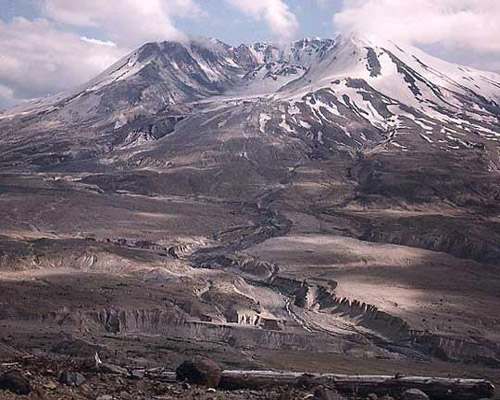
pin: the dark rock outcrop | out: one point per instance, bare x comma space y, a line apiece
15, 382
71, 378
199, 371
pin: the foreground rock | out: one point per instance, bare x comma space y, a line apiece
199, 371
14, 382
71, 378
159, 383
414, 394
44, 373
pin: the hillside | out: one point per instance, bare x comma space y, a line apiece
336, 196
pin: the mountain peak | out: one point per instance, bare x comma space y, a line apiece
162, 74
359, 38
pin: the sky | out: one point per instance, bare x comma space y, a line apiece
47, 46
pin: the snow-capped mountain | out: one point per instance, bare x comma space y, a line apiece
152, 77
351, 92
160, 74
303, 52
398, 90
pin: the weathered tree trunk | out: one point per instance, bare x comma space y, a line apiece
436, 388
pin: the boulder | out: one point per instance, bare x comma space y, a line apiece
71, 378
51, 385
137, 374
414, 394
14, 382
199, 371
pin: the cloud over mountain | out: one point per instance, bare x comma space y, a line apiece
282, 22
63, 43
127, 22
37, 59
42, 56
451, 23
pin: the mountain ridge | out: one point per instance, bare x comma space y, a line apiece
264, 52
320, 97
346, 190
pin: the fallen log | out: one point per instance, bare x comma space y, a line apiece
436, 388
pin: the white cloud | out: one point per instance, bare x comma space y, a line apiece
36, 59
281, 21
465, 31
128, 23
46, 55
465, 23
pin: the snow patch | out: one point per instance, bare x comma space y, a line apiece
263, 120
283, 124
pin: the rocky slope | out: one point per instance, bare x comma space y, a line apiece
338, 195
